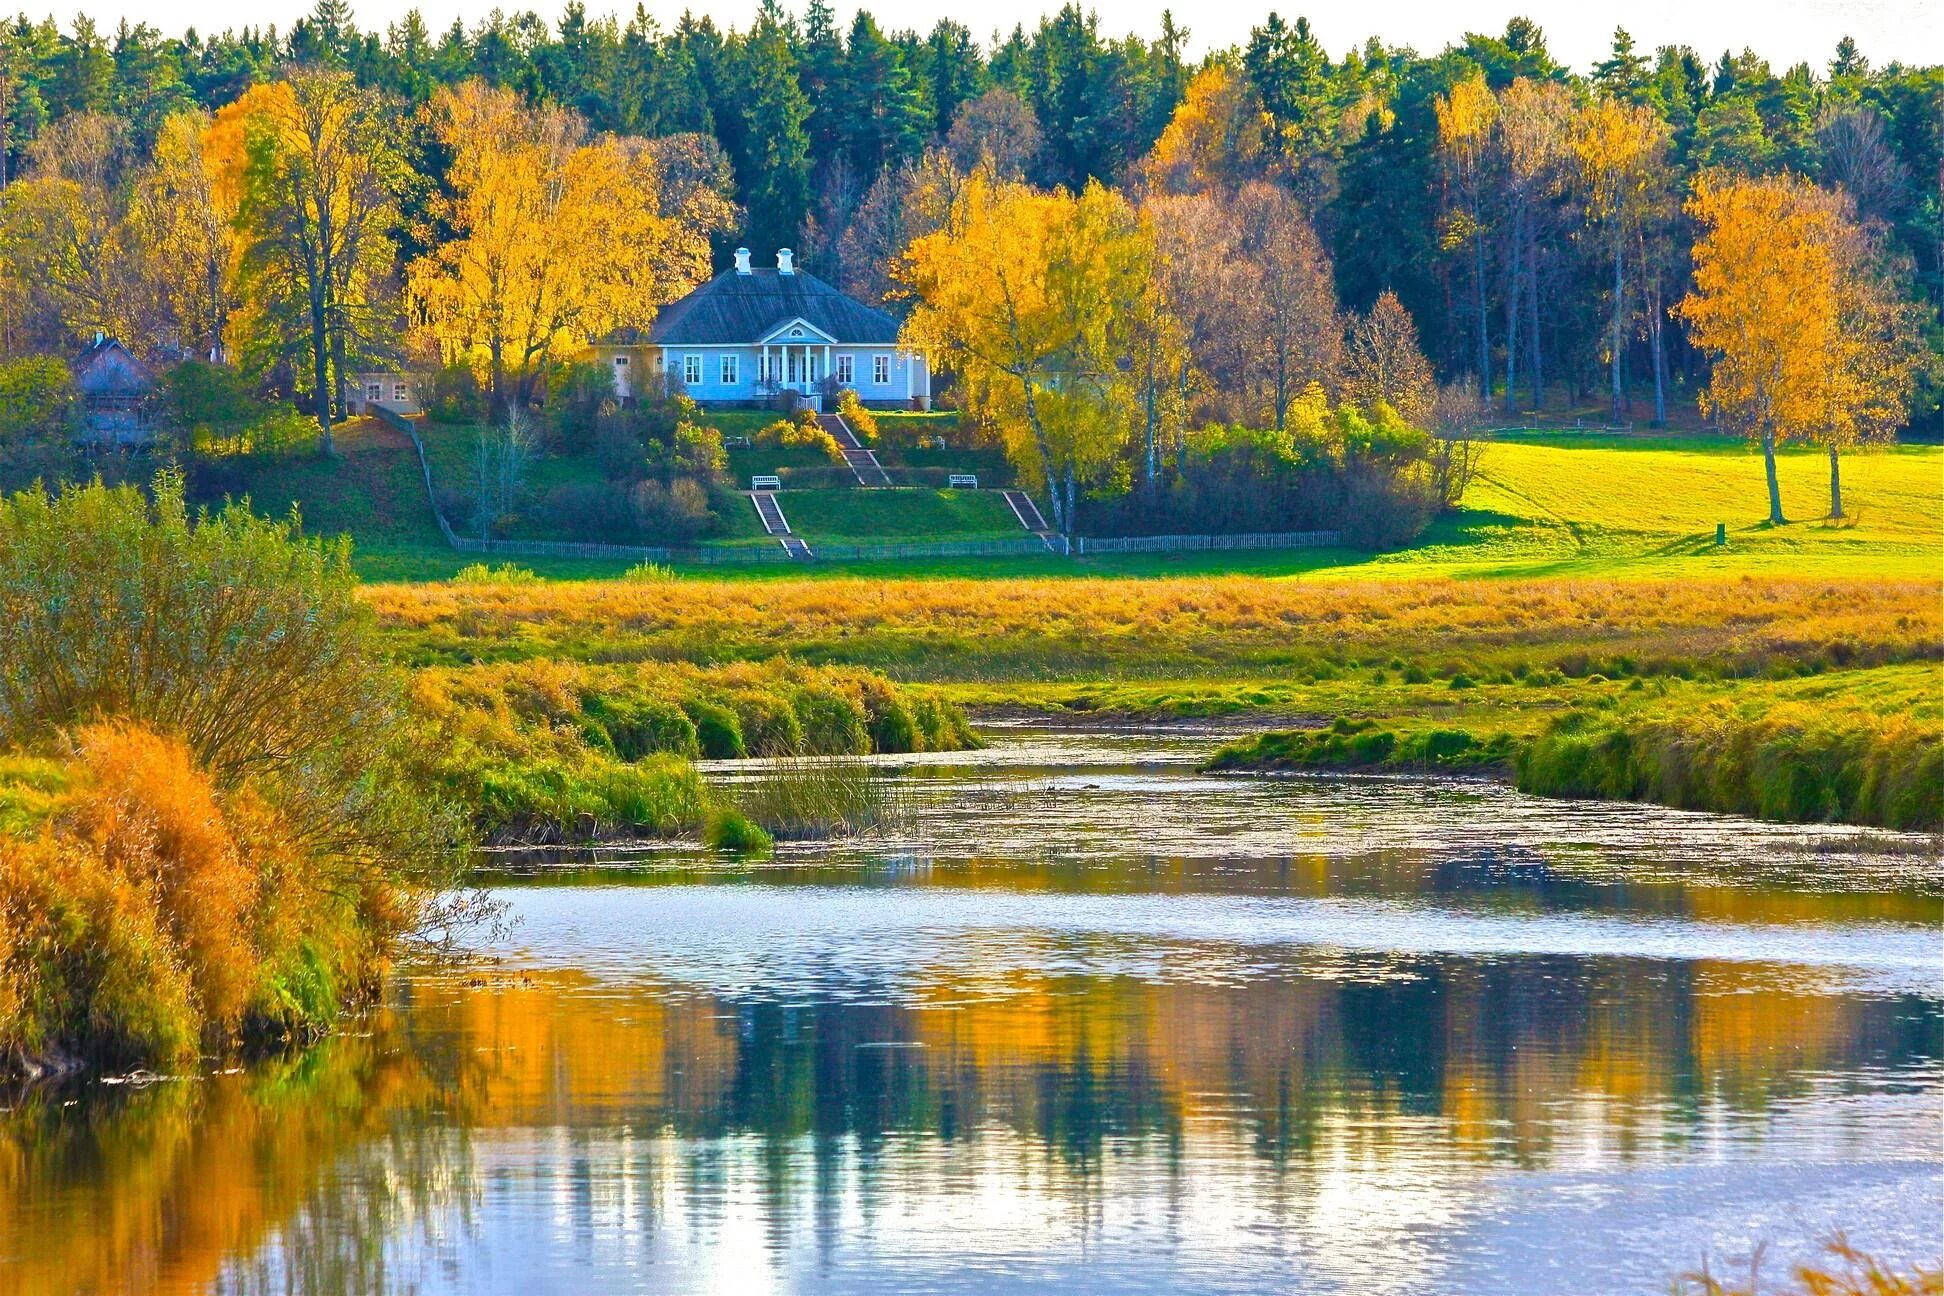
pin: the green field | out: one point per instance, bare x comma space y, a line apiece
898, 515
1551, 505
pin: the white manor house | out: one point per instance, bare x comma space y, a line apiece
750, 334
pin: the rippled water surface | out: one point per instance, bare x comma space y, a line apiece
1087, 1021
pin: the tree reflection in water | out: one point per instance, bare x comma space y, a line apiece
356, 1167
1218, 1065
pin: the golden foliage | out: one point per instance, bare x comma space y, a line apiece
314, 176
561, 240
1030, 298
1218, 139
1765, 302
152, 914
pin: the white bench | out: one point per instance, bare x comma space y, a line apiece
765, 483
962, 481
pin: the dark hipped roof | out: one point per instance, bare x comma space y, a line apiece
737, 309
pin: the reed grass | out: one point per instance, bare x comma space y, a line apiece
1845, 1271
805, 798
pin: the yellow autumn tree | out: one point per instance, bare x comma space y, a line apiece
58, 236
1032, 299
183, 220
561, 239
1875, 350
1765, 308
1219, 137
1466, 118
313, 163
1620, 149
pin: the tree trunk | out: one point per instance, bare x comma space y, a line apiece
1835, 484
1046, 459
1658, 346
1532, 322
1072, 519
1484, 320
339, 348
321, 368
1514, 300
1774, 485
1153, 416
1619, 309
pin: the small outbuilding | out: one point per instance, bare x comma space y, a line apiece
401, 393
118, 394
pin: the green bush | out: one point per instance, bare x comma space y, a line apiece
717, 731
769, 725
728, 830
632, 728
37, 401
833, 725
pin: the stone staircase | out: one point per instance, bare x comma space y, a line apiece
1030, 517
862, 460
771, 514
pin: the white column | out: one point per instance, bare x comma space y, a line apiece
910, 368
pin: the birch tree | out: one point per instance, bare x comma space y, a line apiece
1027, 297
561, 239
318, 165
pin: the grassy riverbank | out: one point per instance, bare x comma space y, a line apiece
206, 836
223, 810
1855, 746
547, 751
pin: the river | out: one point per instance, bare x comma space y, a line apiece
1086, 1020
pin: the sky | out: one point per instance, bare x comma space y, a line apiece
1577, 31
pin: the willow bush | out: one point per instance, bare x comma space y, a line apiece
232, 846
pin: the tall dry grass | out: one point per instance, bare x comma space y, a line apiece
1845, 1271
973, 629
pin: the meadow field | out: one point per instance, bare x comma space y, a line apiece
1554, 504
1581, 578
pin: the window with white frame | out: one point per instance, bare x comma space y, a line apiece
846, 371
880, 369
401, 393
691, 369
374, 391
730, 375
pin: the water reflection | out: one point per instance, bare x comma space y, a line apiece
1467, 1060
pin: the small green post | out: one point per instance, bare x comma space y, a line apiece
1721, 533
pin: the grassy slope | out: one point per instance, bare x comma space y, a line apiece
862, 516
1552, 505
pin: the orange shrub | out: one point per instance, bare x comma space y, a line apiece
154, 915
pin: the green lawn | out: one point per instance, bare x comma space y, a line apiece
1543, 504
1547, 505
898, 515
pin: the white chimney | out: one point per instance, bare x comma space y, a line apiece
742, 260
785, 263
